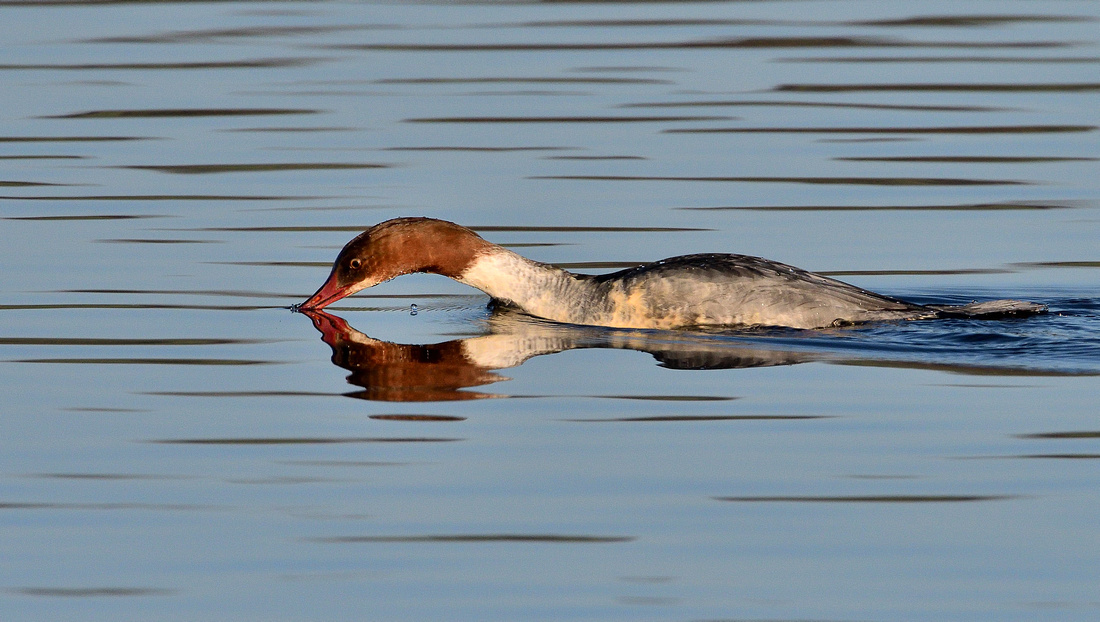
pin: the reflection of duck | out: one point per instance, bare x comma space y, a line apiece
692, 290
397, 372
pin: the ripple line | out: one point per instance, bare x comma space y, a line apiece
704, 418
716, 43
304, 440
1061, 87
156, 113
1062, 435
567, 119
206, 169
842, 208
491, 537
857, 181
69, 139
88, 341
230, 64
867, 498
959, 129
144, 361
90, 592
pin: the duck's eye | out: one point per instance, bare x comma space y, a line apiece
355, 263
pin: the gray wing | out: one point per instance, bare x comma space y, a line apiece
741, 289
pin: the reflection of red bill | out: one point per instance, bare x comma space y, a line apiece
330, 326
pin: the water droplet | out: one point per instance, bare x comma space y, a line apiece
413, 309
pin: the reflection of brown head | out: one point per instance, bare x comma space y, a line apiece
394, 372
396, 247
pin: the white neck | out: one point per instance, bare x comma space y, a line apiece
537, 288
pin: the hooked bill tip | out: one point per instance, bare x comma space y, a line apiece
329, 293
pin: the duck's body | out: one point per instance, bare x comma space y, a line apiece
691, 290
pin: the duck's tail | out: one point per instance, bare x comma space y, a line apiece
990, 310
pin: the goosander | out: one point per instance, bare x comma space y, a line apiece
679, 292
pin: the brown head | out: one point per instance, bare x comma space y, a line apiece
396, 247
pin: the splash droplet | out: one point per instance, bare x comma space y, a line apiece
413, 309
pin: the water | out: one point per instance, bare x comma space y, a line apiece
175, 444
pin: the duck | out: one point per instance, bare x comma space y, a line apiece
699, 290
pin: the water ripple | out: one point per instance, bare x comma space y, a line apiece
567, 119
144, 361
944, 87
255, 63
551, 538
156, 113
249, 32
302, 440
267, 167
866, 498
845, 181
715, 43
137, 341
1008, 205
945, 59
724, 103
92, 592
69, 139
956, 129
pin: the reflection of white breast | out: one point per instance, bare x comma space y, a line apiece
500, 351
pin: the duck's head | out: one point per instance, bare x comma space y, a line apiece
396, 247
